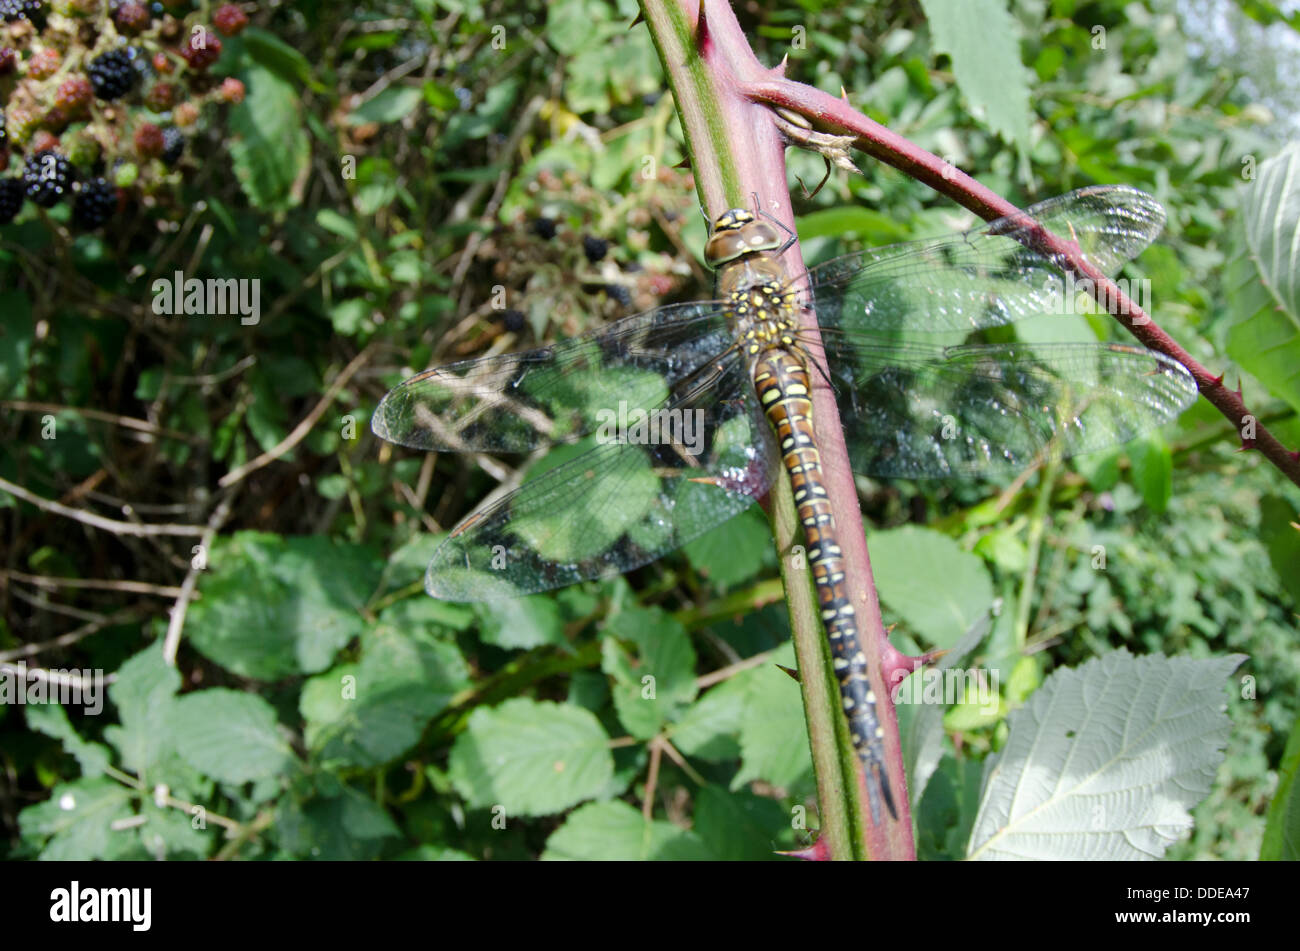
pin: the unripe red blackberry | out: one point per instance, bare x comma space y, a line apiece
149, 140
186, 114
8, 60
74, 95
162, 63
131, 17
232, 90
230, 20
44, 63
160, 97
44, 141
202, 50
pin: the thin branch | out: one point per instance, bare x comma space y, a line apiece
177, 620
97, 521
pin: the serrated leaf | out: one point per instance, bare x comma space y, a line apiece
739, 826
391, 105
614, 831
273, 607
143, 694
906, 562
75, 823
710, 727
52, 720
534, 758
268, 143
231, 736
652, 687
1266, 338
774, 732
1106, 761
733, 552
983, 41
515, 623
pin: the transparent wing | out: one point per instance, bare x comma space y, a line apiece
593, 512
985, 277
916, 411
518, 402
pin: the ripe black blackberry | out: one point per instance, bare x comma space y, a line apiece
112, 74
95, 204
544, 228
594, 248
11, 199
514, 320
173, 146
13, 10
619, 293
48, 177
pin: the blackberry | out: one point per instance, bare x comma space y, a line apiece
173, 145
230, 20
131, 17
48, 177
14, 10
94, 205
202, 50
513, 320
619, 293
11, 199
594, 248
544, 228
112, 74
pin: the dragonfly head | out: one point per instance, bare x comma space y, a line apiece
736, 233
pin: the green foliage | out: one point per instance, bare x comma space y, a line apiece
322, 707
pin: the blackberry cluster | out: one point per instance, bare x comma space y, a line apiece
544, 228
173, 145
112, 74
12, 195
95, 204
13, 10
48, 177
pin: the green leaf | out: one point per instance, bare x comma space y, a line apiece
1266, 338
710, 728
346, 826
906, 563
774, 732
521, 622
369, 713
390, 106
268, 50
1282, 831
1278, 519
143, 694
1153, 470
533, 758
983, 41
733, 552
614, 831
76, 822
231, 736
652, 688
52, 720
17, 330
739, 826
268, 143
273, 607
1106, 761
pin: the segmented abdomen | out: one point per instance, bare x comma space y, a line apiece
781, 380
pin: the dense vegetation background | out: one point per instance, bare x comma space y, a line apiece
399, 171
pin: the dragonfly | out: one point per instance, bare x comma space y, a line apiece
666, 424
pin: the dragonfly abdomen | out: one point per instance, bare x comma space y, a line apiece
781, 380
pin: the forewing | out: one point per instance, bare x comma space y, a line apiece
519, 402
618, 505
914, 411
986, 277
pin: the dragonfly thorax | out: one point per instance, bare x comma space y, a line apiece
737, 233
